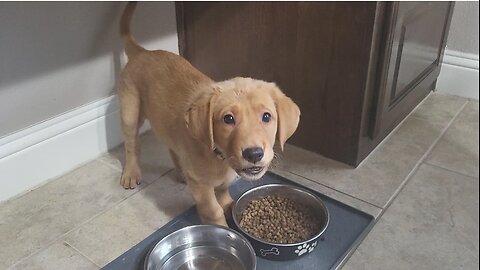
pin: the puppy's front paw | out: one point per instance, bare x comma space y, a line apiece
131, 177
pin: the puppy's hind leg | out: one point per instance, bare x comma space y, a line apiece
132, 120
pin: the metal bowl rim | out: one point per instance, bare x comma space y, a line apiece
247, 242
327, 215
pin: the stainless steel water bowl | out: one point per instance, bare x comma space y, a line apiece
276, 251
202, 247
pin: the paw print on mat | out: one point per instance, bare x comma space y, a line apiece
302, 249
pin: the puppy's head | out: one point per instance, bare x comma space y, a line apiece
239, 119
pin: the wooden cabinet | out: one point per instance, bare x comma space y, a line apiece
355, 69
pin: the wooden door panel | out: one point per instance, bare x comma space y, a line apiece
418, 45
415, 43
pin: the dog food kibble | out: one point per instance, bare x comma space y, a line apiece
279, 220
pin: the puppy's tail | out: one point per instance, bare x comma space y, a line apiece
131, 46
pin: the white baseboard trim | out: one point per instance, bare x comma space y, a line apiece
459, 75
31, 157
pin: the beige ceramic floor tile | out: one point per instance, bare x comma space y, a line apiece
309, 164
439, 108
348, 200
377, 179
458, 148
38, 218
155, 158
382, 174
57, 256
432, 224
117, 230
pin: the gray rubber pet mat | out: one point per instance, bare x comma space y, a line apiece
348, 226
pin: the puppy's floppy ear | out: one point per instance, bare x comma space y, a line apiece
288, 116
199, 119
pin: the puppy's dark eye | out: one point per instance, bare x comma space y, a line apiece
266, 117
228, 119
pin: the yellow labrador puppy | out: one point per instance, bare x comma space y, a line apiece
214, 130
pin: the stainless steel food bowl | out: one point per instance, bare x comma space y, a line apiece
202, 247
274, 251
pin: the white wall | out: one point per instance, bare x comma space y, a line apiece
59, 62
57, 56
463, 35
459, 73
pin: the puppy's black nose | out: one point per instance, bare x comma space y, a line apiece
253, 154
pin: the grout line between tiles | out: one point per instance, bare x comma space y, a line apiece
86, 221
420, 162
109, 165
336, 190
450, 170
81, 253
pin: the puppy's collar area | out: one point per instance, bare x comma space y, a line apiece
218, 153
